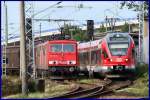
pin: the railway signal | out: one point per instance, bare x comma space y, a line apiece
29, 28
90, 29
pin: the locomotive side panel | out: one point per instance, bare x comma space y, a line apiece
41, 56
89, 55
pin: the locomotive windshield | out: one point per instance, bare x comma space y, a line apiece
118, 49
56, 48
68, 48
62, 48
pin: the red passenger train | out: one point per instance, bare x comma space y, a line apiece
112, 56
57, 57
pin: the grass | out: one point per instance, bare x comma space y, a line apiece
140, 86
86, 81
51, 90
10, 85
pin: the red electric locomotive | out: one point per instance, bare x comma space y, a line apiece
57, 57
113, 56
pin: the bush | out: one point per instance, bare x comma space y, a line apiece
141, 69
140, 86
13, 85
10, 85
32, 86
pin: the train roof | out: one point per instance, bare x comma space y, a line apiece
113, 33
118, 37
56, 41
89, 45
63, 41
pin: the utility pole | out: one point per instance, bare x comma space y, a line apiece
22, 48
4, 65
6, 24
141, 31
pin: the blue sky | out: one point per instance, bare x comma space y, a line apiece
69, 11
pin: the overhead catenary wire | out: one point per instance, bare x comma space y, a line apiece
47, 8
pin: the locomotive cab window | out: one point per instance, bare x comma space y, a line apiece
68, 48
118, 49
56, 48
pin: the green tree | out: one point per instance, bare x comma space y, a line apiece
102, 28
78, 33
125, 28
134, 5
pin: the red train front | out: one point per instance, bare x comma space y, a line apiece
57, 57
112, 56
118, 55
62, 57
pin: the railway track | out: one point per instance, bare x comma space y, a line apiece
109, 89
95, 92
80, 92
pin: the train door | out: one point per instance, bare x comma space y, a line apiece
99, 59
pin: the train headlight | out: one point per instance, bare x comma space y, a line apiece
110, 59
50, 62
73, 62
71, 69
126, 59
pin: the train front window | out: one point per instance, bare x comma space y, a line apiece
56, 48
68, 48
118, 49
